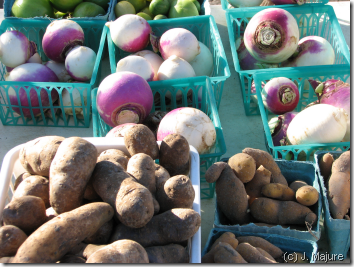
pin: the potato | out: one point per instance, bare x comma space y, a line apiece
264, 158
214, 171
251, 254
84, 250
260, 242
102, 235
307, 195
114, 155
140, 139
226, 237
342, 164
244, 166
27, 213
278, 191
225, 253
265, 253
231, 197
339, 194
20, 178
254, 187
72, 259
297, 184
50, 214
172, 253
90, 194
132, 202
36, 155
70, 172
142, 168
156, 206
172, 226
325, 165
281, 212
161, 176
35, 185
54, 239
6, 259
178, 192
121, 251
11, 238
174, 154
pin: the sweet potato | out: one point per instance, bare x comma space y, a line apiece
54, 239
174, 154
260, 242
178, 192
140, 139
278, 191
307, 195
254, 187
325, 165
20, 178
251, 254
231, 197
214, 171
225, 253
265, 253
70, 172
297, 184
132, 202
36, 155
35, 185
121, 251
172, 226
281, 212
114, 155
11, 238
226, 237
102, 235
172, 253
27, 213
244, 166
142, 168
264, 158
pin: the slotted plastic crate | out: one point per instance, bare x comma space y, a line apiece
53, 115
307, 96
206, 31
292, 171
286, 244
9, 3
313, 19
337, 230
189, 90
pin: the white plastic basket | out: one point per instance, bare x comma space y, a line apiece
11, 168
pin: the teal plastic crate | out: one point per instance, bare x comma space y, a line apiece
313, 19
307, 95
292, 170
53, 115
206, 31
9, 3
286, 244
337, 230
190, 98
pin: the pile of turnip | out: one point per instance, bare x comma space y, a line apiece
271, 39
70, 61
181, 55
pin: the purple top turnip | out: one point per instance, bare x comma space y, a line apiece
175, 68
80, 63
154, 59
60, 70
272, 35
131, 33
124, 97
138, 65
60, 36
278, 127
311, 51
280, 95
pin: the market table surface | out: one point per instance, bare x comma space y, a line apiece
239, 130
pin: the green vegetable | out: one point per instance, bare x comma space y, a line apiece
182, 8
32, 8
87, 9
102, 3
159, 7
65, 5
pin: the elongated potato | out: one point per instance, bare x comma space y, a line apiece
161, 176
254, 187
132, 202
214, 171
226, 237
172, 226
265, 253
325, 165
260, 242
251, 254
50, 242
70, 172
342, 164
264, 158
278, 191
37, 155
102, 235
172, 253
225, 253
11, 238
121, 251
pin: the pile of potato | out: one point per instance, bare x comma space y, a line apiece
336, 175
247, 249
251, 188
74, 205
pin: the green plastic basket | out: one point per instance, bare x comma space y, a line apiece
307, 96
189, 90
313, 19
206, 31
53, 115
